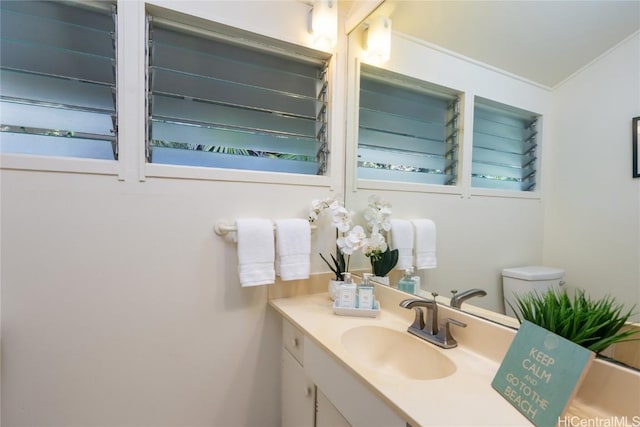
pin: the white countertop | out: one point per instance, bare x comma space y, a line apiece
464, 398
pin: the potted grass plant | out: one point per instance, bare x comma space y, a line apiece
593, 324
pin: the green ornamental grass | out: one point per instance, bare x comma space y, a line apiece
594, 324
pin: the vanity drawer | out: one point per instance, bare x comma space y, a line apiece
293, 340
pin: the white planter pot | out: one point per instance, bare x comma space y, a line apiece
382, 280
334, 289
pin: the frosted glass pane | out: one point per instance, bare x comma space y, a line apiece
224, 92
489, 170
481, 155
42, 59
401, 125
55, 90
207, 113
371, 138
403, 176
55, 146
199, 135
499, 130
498, 184
56, 34
55, 118
207, 63
230, 161
398, 158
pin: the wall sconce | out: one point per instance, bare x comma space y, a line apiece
378, 39
324, 24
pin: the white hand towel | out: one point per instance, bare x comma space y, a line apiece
256, 252
425, 243
402, 240
293, 248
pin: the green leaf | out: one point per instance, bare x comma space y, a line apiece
384, 262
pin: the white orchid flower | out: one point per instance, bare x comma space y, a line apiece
375, 244
341, 219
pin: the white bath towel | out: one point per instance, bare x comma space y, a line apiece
425, 243
293, 248
256, 252
402, 240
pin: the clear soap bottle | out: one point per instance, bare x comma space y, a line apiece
347, 292
407, 284
365, 298
416, 280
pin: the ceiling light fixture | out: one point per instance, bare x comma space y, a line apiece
378, 40
324, 24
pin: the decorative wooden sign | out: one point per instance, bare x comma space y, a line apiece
541, 373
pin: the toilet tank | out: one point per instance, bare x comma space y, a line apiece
521, 280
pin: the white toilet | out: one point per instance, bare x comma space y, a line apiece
521, 280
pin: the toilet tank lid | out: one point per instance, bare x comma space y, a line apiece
533, 272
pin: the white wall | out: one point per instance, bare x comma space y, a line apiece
120, 306
479, 232
592, 215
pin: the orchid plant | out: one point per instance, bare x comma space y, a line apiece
350, 240
378, 221
341, 219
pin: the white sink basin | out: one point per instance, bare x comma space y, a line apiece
397, 353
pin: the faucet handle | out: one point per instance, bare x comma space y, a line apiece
449, 320
444, 334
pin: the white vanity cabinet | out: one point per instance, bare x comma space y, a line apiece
319, 391
303, 404
298, 392
326, 414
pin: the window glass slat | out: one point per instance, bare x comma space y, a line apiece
20, 143
499, 184
399, 125
423, 108
403, 160
481, 155
208, 136
26, 115
371, 138
500, 130
202, 88
60, 11
221, 160
42, 88
404, 176
220, 115
65, 63
56, 34
221, 68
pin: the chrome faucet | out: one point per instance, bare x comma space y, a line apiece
458, 298
428, 328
